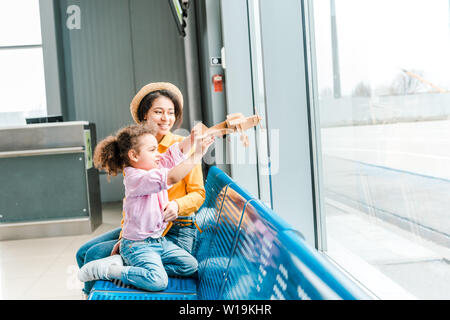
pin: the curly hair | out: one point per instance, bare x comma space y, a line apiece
111, 154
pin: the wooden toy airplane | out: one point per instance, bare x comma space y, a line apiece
236, 122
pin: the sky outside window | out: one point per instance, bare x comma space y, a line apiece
22, 81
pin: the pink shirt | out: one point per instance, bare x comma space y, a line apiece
146, 195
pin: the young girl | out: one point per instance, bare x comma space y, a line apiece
149, 258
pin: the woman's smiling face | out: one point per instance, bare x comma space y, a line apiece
161, 114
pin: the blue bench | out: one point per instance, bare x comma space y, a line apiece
245, 251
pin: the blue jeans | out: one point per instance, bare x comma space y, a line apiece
183, 236
97, 248
101, 246
150, 262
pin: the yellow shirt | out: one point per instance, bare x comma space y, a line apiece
189, 193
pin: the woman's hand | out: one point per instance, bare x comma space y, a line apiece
203, 143
182, 169
187, 143
170, 211
116, 248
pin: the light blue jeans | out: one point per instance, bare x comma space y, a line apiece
183, 236
150, 262
101, 246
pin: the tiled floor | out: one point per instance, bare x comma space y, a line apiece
45, 268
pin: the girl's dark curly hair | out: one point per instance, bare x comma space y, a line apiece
111, 154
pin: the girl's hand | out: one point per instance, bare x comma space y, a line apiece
203, 143
170, 212
116, 248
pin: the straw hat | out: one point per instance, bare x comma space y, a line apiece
155, 86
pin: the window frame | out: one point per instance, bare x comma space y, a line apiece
50, 48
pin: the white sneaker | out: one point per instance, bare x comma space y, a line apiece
98, 269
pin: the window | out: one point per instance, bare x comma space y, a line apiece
22, 82
383, 94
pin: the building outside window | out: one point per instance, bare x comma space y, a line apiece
383, 93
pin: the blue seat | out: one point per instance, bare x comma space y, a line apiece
245, 251
177, 289
214, 260
254, 263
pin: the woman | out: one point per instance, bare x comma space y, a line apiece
161, 104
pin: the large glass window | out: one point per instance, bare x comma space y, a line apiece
383, 92
22, 82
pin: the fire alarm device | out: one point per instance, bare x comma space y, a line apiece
218, 83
